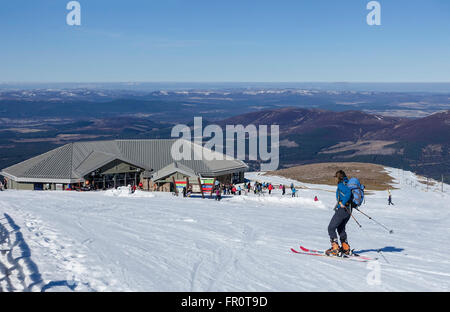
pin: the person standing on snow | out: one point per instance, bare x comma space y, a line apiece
341, 216
390, 198
218, 194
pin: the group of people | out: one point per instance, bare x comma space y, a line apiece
140, 186
257, 188
226, 189
231, 189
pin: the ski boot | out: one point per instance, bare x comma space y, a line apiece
335, 250
345, 249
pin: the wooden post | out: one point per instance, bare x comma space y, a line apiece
176, 190
187, 184
201, 188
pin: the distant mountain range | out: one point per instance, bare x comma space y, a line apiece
408, 130
213, 104
347, 125
173, 86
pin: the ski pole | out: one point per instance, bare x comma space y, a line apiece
390, 231
378, 250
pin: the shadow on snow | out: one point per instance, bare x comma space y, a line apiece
384, 249
27, 273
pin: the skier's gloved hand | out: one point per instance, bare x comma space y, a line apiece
336, 207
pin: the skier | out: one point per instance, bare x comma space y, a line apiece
390, 198
270, 188
341, 216
284, 189
293, 191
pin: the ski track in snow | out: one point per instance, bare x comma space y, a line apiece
115, 241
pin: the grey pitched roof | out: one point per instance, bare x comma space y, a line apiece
93, 161
73, 161
172, 168
54, 164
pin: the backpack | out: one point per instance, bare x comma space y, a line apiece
357, 190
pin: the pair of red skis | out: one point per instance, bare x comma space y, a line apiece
320, 253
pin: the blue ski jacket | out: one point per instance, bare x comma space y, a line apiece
343, 193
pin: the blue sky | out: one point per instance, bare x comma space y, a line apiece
217, 41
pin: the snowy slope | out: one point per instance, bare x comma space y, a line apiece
113, 241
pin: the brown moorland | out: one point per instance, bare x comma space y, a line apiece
374, 177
